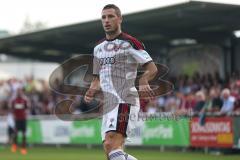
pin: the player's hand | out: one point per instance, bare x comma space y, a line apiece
88, 99
145, 89
89, 96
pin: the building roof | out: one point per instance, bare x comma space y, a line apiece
202, 22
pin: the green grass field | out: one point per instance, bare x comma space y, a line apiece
52, 153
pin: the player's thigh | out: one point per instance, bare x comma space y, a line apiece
24, 127
21, 126
116, 120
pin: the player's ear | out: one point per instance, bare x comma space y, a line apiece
121, 19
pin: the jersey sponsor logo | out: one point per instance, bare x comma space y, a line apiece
107, 60
111, 46
18, 106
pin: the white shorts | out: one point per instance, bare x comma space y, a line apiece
122, 119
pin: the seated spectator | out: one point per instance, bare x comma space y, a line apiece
235, 92
143, 105
187, 102
200, 99
228, 102
214, 102
171, 104
152, 107
161, 103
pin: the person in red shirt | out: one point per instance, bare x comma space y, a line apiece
19, 105
143, 104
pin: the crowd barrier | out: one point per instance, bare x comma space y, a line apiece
222, 132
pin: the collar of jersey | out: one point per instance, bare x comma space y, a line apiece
115, 37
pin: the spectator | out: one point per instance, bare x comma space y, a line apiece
214, 102
171, 104
228, 102
43, 99
143, 105
4, 95
187, 102
200, 102
152, 107
161, 103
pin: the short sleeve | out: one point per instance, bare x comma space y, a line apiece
140, 55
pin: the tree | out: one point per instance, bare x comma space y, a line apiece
29, 26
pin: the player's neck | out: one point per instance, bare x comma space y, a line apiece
110, 36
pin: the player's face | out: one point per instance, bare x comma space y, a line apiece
111, 21
19, 92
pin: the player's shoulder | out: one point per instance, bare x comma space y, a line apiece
133, 41
99, 42
25, 98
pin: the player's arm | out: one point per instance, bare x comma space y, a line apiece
27, 103
95, 84
143, 58
149, 74
94, 87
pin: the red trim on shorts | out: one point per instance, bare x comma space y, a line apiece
123, 117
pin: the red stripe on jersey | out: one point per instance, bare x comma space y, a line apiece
137, 44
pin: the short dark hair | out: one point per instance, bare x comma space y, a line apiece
113, 6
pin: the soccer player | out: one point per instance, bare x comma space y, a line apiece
115, 63
19, 105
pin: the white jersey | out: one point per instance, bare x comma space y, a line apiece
116, 62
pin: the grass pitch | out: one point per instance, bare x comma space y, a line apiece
52, 153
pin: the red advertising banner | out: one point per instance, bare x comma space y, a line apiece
216, 132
